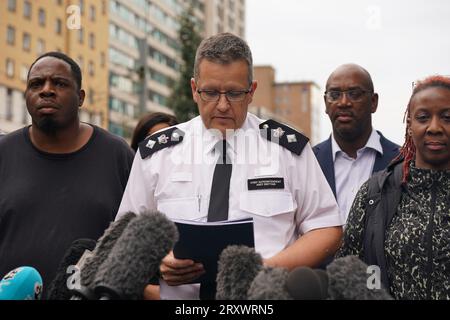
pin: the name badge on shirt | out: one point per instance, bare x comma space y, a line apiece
265, 183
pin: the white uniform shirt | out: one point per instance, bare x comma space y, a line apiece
351, 173
177, 181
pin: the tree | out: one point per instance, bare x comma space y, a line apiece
181, 98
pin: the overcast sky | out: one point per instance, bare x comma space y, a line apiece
398, 42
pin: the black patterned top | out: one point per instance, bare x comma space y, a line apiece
417, 241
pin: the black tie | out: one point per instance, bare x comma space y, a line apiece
218, 202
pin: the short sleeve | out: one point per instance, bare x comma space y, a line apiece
139, 192
317, 206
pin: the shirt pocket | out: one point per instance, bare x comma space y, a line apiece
180, 208
267, 204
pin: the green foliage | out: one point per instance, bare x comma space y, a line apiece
181, 98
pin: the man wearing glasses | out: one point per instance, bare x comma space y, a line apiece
354, 150
227, 164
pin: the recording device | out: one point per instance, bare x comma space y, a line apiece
345, 279
237, 267
84, 290
270, 284
58, 289
136, 257
23, 283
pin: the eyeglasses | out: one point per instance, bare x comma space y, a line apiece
355, 95
214, 95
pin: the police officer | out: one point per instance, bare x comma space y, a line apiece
264, 170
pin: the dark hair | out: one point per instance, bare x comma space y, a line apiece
147, 122
76, 71
224, 48
408, 150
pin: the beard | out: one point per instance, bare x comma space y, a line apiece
48, 125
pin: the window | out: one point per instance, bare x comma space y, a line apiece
58, 26
81, 35
12, 5
23, 73
80, 62
91, 40
26, 41
81, 5
40, 47
91, 95
103, 7
92, 13
27, 9
11, 35
41, 17
10, 68
91, 68
9, 104
231, 5
102, 59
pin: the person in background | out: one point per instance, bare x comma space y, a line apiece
60, 179
410, 242
355, 150
149, 124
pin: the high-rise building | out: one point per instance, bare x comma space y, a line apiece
31, 28
144, 51
128, 50
297, 104
225, 16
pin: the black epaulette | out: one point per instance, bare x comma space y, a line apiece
285, 136
160, 140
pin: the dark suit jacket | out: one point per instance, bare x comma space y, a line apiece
324, 155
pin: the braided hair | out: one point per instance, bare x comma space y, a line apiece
408, 150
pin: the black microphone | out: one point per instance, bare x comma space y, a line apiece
136, 257
304, 283
83, 290
237, 267
58, 289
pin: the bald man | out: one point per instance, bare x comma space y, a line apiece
355, 150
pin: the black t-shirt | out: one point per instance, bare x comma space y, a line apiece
49, 200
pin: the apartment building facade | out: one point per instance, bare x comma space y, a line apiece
128, 50
297, 104
31, 28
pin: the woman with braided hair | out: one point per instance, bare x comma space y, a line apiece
415, 251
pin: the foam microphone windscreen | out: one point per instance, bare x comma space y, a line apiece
270, 284
304, 283
104, 246
23, 283
237, 267
58, 289
347, 280
136, 257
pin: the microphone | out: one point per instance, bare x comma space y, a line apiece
84, 291
58, 289
304, 283
347, 279
269, 284
136, 257
237, 267
23, 283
